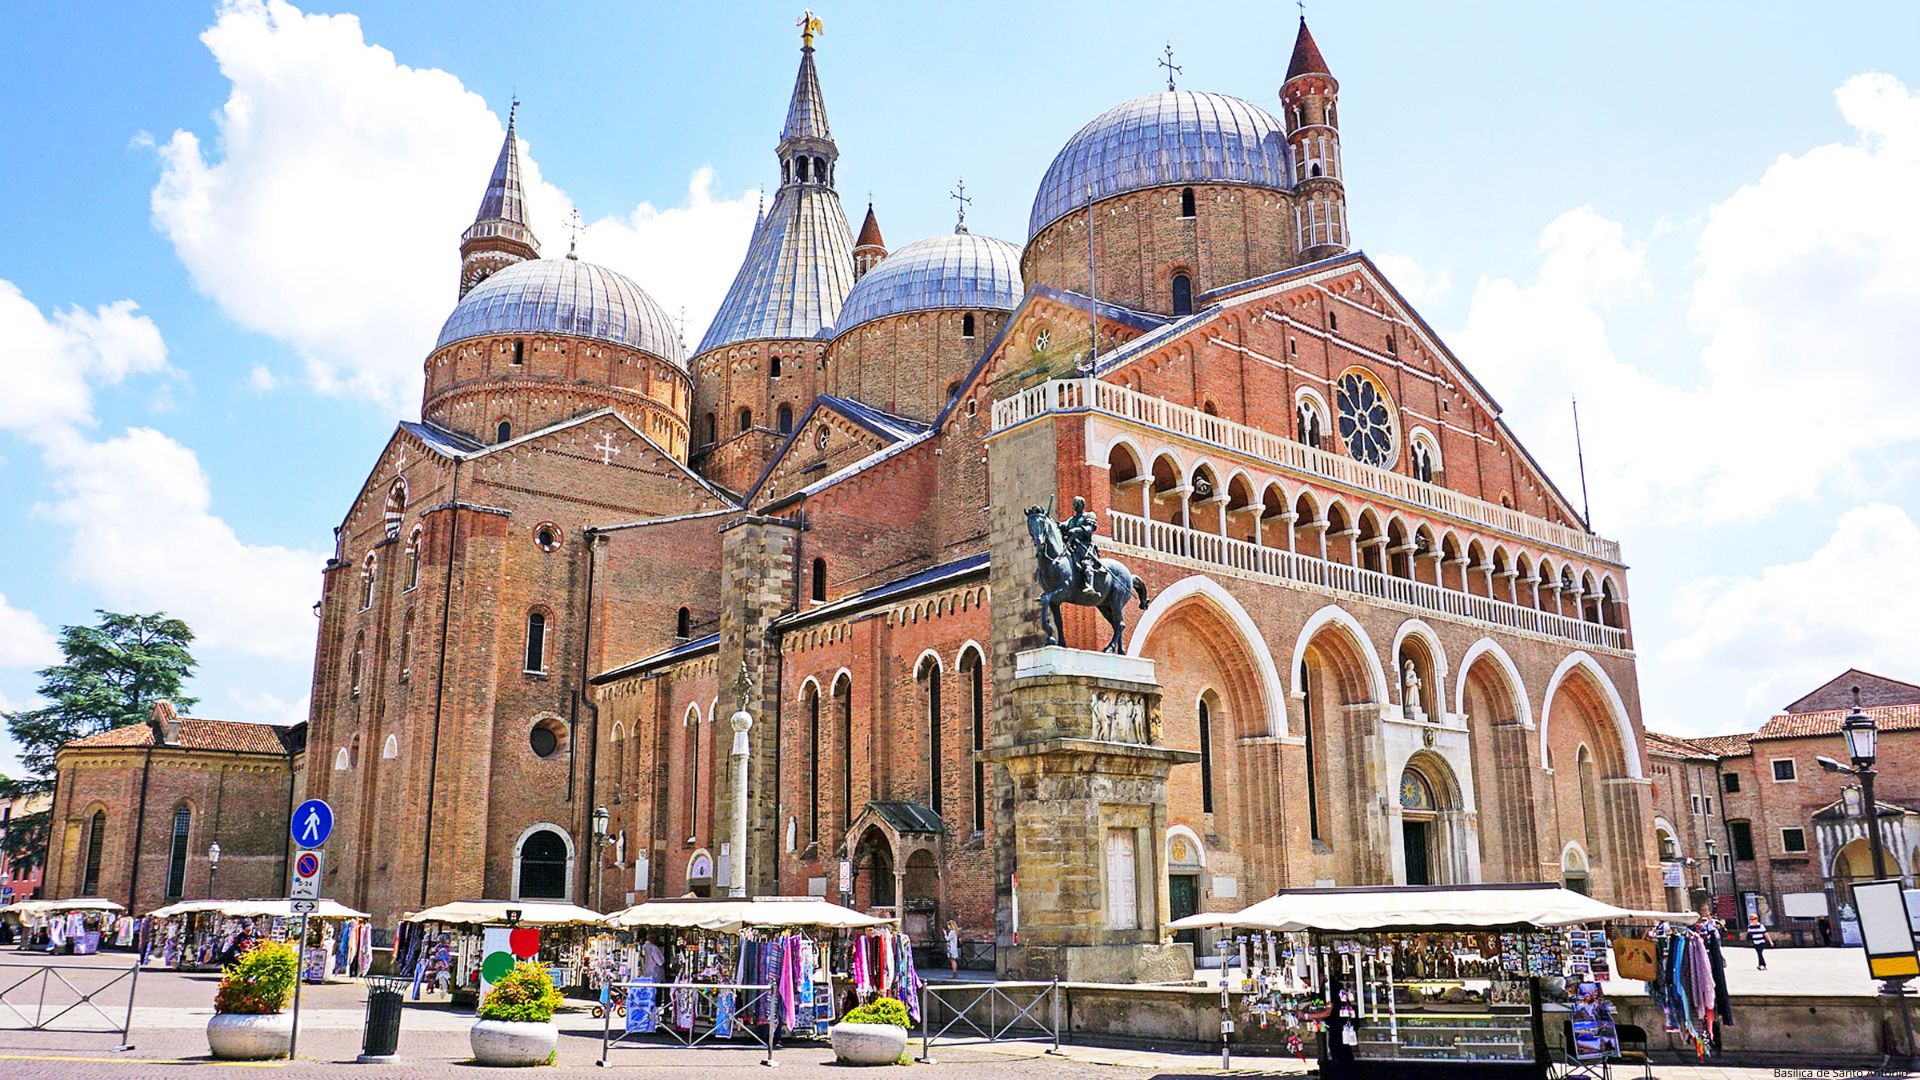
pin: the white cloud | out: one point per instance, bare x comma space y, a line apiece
1805, 299
25, 641
146, 537
1793, 626
261, 379
51, 364
330, 212
263, 707
1419, 284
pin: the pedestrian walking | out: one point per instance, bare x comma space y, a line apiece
953, 948
1826, 931
1760, 938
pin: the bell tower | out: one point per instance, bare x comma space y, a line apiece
1310, 100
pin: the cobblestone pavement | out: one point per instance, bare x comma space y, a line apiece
169, 1037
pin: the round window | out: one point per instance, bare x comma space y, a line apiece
1366, 419
544, 739
547, 535
820, 439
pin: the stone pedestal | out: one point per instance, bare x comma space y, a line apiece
1089, 785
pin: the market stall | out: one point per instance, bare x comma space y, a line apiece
817, 959
79, 925
448, 949
201, 935
1423, 980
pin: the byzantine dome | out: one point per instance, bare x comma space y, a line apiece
565, 296
958, 270
1172, 137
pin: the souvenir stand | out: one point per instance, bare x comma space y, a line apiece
440, 950
197, 935
808, 950
79, 925
1417, 980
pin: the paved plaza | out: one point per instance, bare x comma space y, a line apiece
171, 1011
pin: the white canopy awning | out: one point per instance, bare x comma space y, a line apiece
56, 907
1412, 907
729, 915
492, 912
257, 909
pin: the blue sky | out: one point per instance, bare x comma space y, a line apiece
229, 235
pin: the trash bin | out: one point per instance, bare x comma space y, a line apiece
382, 1037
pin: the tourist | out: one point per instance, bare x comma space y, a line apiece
1826, 931
1760, 938
953, 948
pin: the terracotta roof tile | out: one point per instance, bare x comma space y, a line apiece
1724, 746
1306, 55
196, 734
1661, 743
1827, 722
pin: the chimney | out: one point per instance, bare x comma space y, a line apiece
165, 724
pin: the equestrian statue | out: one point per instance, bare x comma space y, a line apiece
1071, 571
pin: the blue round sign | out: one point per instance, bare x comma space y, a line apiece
312, 823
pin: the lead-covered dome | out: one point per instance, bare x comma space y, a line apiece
958, 270
1172, 137
565, 296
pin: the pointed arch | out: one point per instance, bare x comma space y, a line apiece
1208, 591
1337, 616
1496, 655
1616, 709
1436, 657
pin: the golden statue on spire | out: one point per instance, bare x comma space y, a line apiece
809, 25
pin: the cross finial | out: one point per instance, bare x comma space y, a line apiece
959, 196
512, 108
1172, 68
809, 25
1303, 11
681, 325
573, 233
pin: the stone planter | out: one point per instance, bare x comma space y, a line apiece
239, 1037
506, 1042
868, 1044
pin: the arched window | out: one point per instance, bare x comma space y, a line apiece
396, 507
1422, 461
966, 325
975, 675
1186, 202
1333, 320
502, 431
366, 581
804, 165
713, 430
406, 647
693, 773
820, 169
813, 763
1589, 799
519, 352
1307, 423
1206, 757
356, 663
819, 579
543, 866
843, 704
746, 419
353, 751
96, 846
683, 624
773, 366
413, 559
786, 419
930, 674
1182, 294
536, 642
177, 853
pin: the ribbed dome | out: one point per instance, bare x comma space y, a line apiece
1172, 137
565, 296
958, 270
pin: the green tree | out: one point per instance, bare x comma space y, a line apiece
114, 672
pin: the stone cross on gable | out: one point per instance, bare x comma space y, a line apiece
608, 451
400, 463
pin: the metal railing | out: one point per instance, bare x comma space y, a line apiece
989, 999
1179, 542
39, 996
1111, 399
745, 997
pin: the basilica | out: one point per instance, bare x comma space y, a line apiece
1393, 647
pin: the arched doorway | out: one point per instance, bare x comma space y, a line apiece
874, 882
1574, 871
1593, 804
543, 867
1433, 841
1418, 811
1186, 867
1854, 862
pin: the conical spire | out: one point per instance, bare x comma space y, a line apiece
504, 199
499, 236
807, 112
870, 247
1306, 55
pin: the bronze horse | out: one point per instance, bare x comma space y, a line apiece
1107, 591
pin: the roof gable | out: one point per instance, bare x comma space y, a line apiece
1837, 692
834, 432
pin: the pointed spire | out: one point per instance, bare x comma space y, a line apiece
1306, 55
807, 112
870, 247
499, 235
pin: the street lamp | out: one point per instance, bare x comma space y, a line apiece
1861, 732
213, 865
601, 820
1713, 864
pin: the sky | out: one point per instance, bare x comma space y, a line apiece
228, 236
